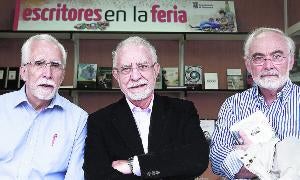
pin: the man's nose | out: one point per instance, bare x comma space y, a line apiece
47, 71
268, 63
135, 74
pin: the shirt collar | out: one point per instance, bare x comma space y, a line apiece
282, 95
134, 108
22, 98
56, 101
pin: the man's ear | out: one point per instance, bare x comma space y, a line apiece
115, 74
291, 62
248, 65
23, 73
156, 69
62, 77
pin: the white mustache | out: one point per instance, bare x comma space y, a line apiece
46, 82
135, 84
268, 73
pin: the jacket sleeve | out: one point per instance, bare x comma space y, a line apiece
97, 164
188, 159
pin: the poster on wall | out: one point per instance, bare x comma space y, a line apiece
124, 15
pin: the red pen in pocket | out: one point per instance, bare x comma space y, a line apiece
53, 139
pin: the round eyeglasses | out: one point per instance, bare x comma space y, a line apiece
141, 67
276, 58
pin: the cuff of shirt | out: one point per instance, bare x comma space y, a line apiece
136, 166
232, 165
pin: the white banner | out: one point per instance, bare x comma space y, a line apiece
124, 15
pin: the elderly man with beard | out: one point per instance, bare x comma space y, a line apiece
269, 56
143, 135
42, 134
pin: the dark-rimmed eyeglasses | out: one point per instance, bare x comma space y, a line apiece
40, 64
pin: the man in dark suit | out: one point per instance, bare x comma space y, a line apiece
143, 135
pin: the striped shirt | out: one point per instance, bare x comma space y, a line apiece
283, 115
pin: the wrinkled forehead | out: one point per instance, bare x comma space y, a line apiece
268, 42
45, 50
134, 54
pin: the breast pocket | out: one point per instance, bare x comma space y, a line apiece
54, 153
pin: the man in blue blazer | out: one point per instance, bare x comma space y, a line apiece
143, 135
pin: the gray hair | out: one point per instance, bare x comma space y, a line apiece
290, 43
26, 48
134, 40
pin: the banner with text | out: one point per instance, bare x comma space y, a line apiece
124, 15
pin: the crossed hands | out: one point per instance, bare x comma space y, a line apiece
121, 166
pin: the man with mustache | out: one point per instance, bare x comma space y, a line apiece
269, 56
42, 133
143, 135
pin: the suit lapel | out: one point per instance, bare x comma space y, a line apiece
157, 123
125, 124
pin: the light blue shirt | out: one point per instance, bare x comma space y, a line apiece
41, 145
283, 115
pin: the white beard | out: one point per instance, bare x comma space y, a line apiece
271, 82
44, 95
137, 96
140, 95
41, 93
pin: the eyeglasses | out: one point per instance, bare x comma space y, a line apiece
144, 67
39, 64
276, 58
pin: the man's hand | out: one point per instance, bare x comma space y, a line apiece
244, 141
122, 166
244, 173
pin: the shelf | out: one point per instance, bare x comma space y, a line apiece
162, 36
124, 35
216, 36
216, 91
172, 89
172, 47
27, 34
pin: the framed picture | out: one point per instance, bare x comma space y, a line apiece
295, 72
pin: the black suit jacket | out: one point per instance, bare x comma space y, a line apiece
177, 148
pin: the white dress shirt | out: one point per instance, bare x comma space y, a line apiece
142, 121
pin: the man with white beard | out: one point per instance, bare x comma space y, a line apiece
269, 56
143, 135
42, 134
